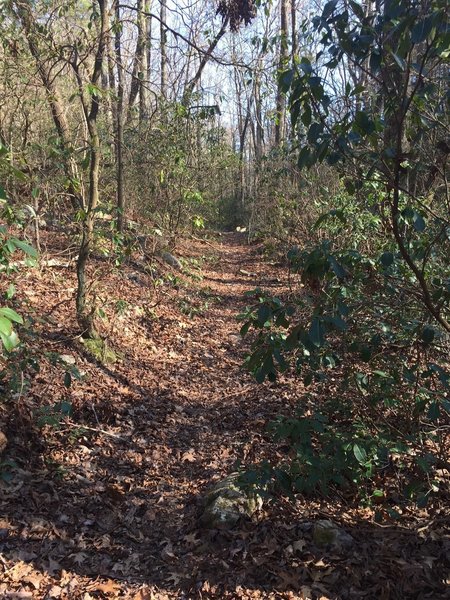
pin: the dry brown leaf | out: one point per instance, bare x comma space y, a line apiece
189, 456
114, 493
175, 577
289, 580
323, 574
53, 567
78, 558
306, 593
149, 515
19, 571
35, 579
320, 563
299, 545
3, 441
54, 592
260, 560
167, 552
191, 538
145, 593
108, 587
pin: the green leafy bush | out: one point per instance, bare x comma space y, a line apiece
9, 245
375, 303
355, 322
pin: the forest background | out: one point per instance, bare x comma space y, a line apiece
318, 130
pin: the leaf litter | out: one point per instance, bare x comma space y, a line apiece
106, 503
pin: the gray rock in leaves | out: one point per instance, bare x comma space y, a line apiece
133, 277
327, 533
171, 260
68, 359
226, 503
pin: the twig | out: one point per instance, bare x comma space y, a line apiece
95, 415
197, 239
70, 425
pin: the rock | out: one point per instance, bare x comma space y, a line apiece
247, 273
327, 533
227, 502
171, 260
3, 442
235, 338
306, 527
133, 277
68, 359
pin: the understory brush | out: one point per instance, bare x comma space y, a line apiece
369, 329
374, 418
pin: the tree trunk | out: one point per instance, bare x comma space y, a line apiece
139, 65
259, 138
143, 92
85, 312
243, 118
281, 101
163, 48
293, 30
203, 62
74, 181
149, 42
118, 141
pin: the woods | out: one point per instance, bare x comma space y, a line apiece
225, 313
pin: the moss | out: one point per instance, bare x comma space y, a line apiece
324, 533
100, 350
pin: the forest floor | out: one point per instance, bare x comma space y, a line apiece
105, 502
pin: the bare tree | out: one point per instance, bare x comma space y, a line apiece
119, 117
89, 103
283, 56
163, 48
31, 30
138, 84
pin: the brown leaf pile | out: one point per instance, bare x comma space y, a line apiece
106, 504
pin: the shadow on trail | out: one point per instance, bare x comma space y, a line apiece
135, 533
128, 512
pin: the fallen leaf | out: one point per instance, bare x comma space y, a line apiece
34, 579
189, 456
144, 593
299, 545
78, 558
109, 587
306, 593
150, 515
53, 567
175, 577
289, 580
167, 552
191, 538
54, 592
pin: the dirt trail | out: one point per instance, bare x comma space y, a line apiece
171, 417
112, 511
